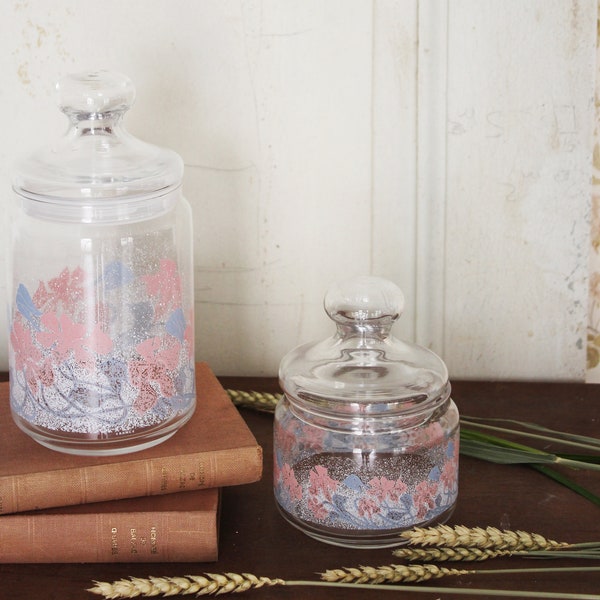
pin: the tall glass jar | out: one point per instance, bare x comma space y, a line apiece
100, 292
366, 436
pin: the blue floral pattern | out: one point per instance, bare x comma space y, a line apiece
319, 482
104, 355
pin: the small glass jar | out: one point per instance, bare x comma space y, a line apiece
101, 354
366, 436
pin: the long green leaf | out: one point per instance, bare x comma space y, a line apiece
480, 445
572, 485
503, 455
497, 441
588, 458
577, 464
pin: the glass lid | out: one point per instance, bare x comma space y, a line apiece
363, 364
96, 158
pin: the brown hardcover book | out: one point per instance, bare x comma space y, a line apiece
215, 448
171, 528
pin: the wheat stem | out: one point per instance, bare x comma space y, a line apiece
213, 584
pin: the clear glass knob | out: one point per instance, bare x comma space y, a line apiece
95, 94
364, 303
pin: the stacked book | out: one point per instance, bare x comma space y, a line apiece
157, 505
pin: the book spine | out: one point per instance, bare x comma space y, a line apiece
109, 537
98, 483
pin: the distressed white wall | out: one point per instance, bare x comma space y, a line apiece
518, 151
444, 145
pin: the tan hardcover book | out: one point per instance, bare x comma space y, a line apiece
215, 448
170, 528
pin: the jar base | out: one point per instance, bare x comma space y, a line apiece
363, 540
90, 445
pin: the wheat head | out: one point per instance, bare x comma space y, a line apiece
389, 574
201, 585
477, 537
449, 554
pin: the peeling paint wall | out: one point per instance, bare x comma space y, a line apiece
593, 334
445, 145
519, 142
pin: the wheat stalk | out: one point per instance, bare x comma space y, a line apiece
477, 537
366, 578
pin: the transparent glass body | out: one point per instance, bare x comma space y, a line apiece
366, 436
101, 354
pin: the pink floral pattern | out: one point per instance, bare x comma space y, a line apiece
384, 489
63, 292
63, 337
26, 354
165, 286
290, 484
66, 358
321, 484
341, 492
425, 498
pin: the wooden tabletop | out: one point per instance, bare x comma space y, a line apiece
254, 538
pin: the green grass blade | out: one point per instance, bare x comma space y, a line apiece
469, 434
587, 458
502, 455
572, 485
499, 450
577, 464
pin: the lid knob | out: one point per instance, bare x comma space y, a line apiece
364, 300
91, 94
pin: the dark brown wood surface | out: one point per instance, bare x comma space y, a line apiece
254, 538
